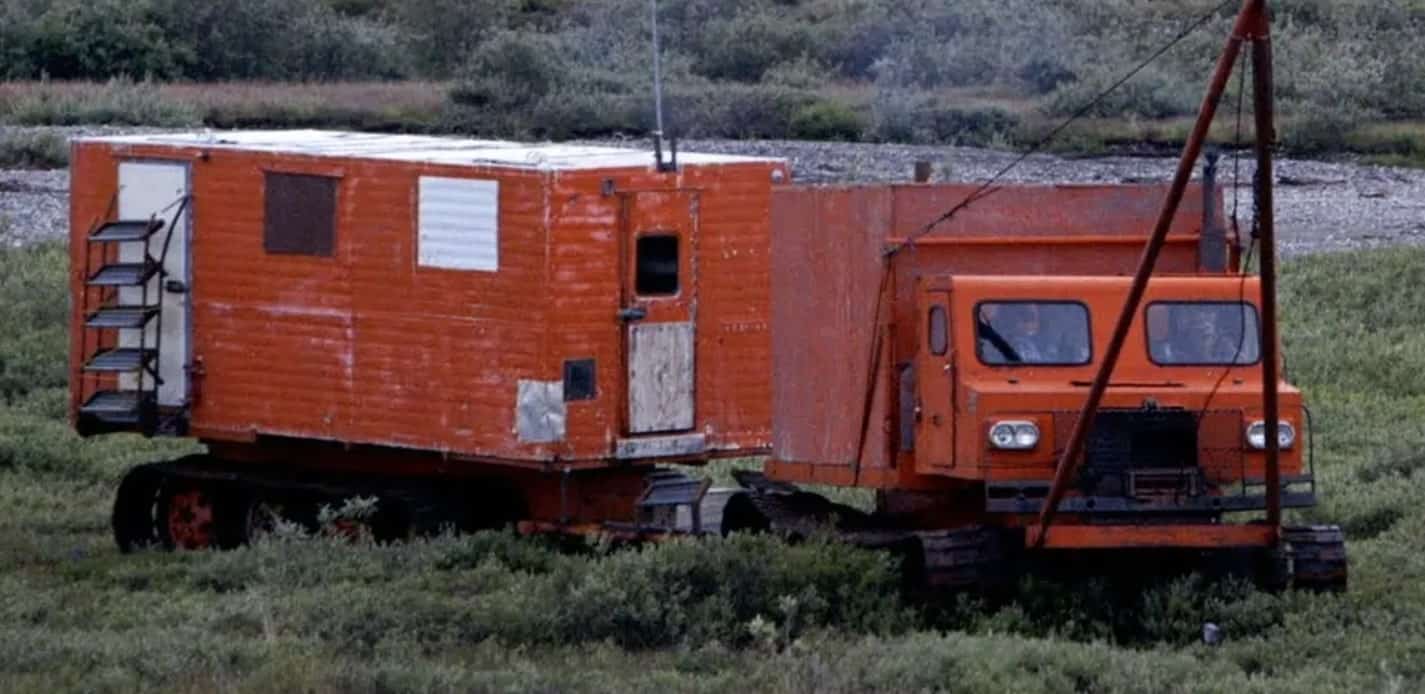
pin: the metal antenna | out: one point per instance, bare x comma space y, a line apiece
657, 72
658, 98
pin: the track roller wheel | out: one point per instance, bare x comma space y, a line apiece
133, 517
963, 558
253, 518
188, 514
1318, 557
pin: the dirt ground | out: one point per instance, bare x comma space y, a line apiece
1321, 206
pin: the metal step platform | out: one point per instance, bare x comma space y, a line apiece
123, 275
115, 406
121, 317
127, 230
122, 359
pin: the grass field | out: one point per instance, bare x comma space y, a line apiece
494, 612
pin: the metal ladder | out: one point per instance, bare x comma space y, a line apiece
108, 403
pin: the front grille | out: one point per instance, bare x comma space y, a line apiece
1123, 441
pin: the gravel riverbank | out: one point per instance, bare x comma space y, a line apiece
1321, 206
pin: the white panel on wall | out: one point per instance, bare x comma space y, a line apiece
459, 223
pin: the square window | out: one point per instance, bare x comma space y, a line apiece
579, 381
299, 214
657, 265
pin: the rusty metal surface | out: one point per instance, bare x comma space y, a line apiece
826, 265
300, 214
366, 346
1266, 224
826, 250
1147, 264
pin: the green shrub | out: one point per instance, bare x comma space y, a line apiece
736, 110
827, 120
224, 39
1153, 93
34, 308
440, 34
102, 38
978, 127
33, 150
898, 114
745, 46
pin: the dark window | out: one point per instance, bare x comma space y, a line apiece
579, 380
1047, 333
657, 273
907, 416
300, 214
939, 331
1203, 333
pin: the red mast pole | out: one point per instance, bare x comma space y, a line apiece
1249, 20
1265, 136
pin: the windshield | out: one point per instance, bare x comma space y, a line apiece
1054, 333
1203, 333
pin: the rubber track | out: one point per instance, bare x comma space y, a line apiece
1318, 557
426, 507
961, 558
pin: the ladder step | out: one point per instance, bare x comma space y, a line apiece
120, 359
123, 275
121, 317
116, 406
127, 230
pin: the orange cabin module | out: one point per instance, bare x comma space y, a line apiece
464, 301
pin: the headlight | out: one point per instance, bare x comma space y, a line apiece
1014, 436
1257, 435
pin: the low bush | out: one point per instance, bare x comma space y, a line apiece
826, 120
974, 127
1152, 94
120, 101
33, 150
34, 308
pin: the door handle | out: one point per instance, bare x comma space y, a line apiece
175, 287
632, 313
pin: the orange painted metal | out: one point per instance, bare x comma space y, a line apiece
935, 378
1066, 536
827, 245
1250, 15
189, 518
369, 348
1049, 396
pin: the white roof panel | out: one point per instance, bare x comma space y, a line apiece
421, 148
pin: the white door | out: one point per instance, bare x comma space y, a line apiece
157, 189
660, 377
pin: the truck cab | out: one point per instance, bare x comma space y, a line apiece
1004, 364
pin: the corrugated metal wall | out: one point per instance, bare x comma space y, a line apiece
371, 346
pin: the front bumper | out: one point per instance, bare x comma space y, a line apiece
1298, 491
1176, 536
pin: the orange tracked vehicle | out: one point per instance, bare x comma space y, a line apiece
478, 333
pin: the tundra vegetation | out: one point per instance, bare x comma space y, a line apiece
493, 611
972, 72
